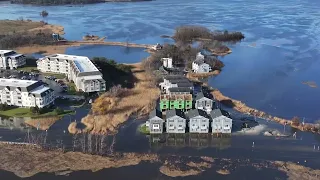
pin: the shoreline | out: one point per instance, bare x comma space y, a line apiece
35, 160
135, 102
243, 108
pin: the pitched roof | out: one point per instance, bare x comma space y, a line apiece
185, 84
171, 77
155, 113
215, 113
198, 61
179, 89
175, 112
181, 80
196, 112
201, 95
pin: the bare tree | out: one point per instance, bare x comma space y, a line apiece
89, 143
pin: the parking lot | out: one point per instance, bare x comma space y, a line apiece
57, 85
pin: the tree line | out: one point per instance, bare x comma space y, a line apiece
192, 33
25, 39
55, 2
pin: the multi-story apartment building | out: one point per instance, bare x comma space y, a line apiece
79, 69
25, 93
11, 60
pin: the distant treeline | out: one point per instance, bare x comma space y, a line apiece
25, 39
55, 2
191, 33
61, 2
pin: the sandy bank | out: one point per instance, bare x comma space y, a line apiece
243, 108
295, 171
220, 53
194, 76
139, 100
61, 47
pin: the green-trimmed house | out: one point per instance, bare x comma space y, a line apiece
178, 101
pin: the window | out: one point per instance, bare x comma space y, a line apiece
155, 126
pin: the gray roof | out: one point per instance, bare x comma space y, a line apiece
89, 73
23, 89
179, 89
201, 95
175, 112
172, 77
196, 112
215, 113
44, 93
174, 81
184, 84
155, 113
199, 61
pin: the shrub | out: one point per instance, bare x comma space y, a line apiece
35, 110
295, 121
3, 107
20, 39
190, 33
226, 36
58, 110
114, 73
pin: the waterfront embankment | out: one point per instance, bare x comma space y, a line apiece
109, 112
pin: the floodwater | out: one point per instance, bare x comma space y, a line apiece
266, 70
120, 54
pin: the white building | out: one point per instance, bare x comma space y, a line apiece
156, 47
11, 59
220, 123
25, 93
199, 66
79, 69
167, 62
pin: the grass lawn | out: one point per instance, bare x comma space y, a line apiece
27, 68
144, 129
26, 112
58, 76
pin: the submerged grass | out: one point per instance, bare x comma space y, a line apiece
144, 129
139, 100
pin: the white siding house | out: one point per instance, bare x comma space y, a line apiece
155, 122
199, 66
220, 123
79, 69
199, 121
25, 93
167, 62
204, 102
175, 121
11, 60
